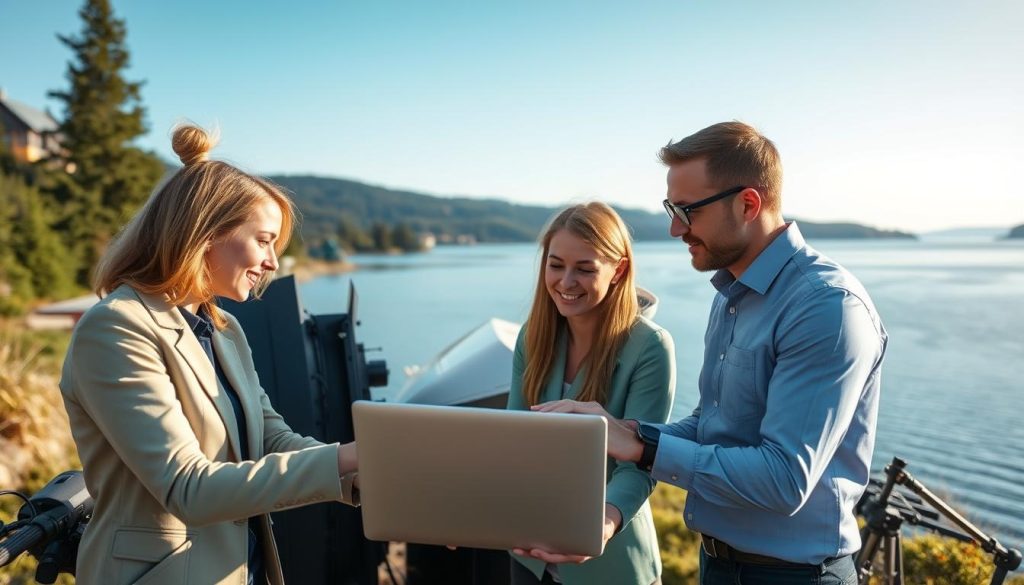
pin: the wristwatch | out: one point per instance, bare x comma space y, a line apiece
649, 435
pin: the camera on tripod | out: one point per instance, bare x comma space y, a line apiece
886, 508
49, 526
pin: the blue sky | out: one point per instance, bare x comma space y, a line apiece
896, 114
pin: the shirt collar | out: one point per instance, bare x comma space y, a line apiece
762, 272
200, 324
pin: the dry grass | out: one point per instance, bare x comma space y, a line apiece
35, 440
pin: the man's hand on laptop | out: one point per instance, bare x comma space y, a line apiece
623, 444
612, 521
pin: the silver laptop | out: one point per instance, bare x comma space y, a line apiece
481, 477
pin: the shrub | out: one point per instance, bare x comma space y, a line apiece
679, 546
927, 559
35, 440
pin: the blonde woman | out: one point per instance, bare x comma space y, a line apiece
585, 340
180, 446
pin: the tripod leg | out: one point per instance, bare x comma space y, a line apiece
899, 559
866, 556
889, 561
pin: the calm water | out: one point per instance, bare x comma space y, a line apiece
953, 379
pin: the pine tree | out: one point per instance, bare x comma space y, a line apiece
15, 279
33, 261
405, 238
381, 234
110, 178
351, 236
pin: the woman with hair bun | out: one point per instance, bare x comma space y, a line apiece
181, 448
586, 340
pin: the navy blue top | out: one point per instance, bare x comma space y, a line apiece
203, 329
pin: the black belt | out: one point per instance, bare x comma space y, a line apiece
717, 549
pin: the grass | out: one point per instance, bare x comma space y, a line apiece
35, 441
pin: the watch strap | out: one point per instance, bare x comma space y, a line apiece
650, 447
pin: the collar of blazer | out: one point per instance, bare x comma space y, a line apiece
166, 316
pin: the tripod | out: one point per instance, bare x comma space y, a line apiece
885, 510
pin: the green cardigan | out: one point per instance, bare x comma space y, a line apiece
641, 387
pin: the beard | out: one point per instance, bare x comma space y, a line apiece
716, 257
723, 253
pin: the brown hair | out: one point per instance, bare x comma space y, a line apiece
598, 225
162, 249
736, 154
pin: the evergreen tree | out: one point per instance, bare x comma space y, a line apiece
351, 236
15, 279
33, 261
109, 177
381, 236
405, 238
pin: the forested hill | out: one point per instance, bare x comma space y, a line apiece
1016, 232
331, 205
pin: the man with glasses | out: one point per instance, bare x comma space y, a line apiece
779, 448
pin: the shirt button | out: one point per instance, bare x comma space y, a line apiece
689, 516
675, 477
721, 356
732, 310
716, 403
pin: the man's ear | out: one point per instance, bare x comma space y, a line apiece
752, 203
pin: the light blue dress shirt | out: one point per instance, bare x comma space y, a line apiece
778, 450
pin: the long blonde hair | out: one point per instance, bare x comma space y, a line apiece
162, 249
599, 226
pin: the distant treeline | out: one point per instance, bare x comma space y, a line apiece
1016, 232
345, 210
349, 236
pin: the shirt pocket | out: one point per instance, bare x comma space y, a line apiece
739, 397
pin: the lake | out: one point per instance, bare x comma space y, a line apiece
952, 383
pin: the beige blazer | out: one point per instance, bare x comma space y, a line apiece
159, 447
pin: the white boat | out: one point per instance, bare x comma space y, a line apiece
476, 369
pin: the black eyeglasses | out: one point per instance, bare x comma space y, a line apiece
683, 211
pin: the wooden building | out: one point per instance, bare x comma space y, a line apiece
30, 134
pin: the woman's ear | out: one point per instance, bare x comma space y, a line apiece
620, 269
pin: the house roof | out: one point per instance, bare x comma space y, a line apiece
77, 305
37, 120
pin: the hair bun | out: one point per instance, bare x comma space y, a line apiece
192, 144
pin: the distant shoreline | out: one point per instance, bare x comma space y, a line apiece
308, 269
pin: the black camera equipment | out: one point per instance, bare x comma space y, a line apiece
312, 369
49, 526
885, 508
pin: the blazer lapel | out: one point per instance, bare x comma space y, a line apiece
167, 316
227, 355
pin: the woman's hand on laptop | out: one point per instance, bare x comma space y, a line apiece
612, 521
623, 444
